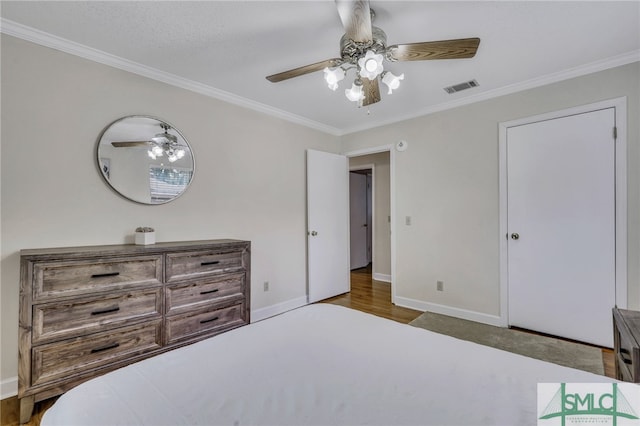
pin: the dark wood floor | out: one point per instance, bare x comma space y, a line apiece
374, 297
366, 295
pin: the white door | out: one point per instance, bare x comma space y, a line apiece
358, 220
327, 225
561, 226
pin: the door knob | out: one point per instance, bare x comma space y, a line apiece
515, 236
313, 233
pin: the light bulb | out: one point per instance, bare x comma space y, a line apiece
371, 65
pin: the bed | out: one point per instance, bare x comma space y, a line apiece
318, 365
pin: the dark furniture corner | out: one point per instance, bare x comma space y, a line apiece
626, 338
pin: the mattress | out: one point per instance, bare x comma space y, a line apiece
318, 365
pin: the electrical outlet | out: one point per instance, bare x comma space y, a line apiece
440, 285
266, 286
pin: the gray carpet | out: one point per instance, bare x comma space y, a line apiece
569, 354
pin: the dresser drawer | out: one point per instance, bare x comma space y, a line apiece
203, 321
83, 316
74, 278
74, 356
191, 294
197, 264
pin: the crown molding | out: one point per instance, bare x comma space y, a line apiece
48, 40
590, 68
42, 38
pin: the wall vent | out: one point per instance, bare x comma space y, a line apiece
461, 86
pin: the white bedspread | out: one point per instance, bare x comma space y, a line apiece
318, 365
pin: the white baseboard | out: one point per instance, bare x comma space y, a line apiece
382, 277
9, 388
450, 311
278, 308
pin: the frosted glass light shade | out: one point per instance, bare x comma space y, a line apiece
370, 65
392, 81
355, 94
332, 76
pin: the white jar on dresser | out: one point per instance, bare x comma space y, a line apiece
85, 311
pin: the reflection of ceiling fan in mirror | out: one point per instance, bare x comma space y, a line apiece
364, 47
160, 144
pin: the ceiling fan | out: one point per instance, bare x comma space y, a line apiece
160, 144
364, 47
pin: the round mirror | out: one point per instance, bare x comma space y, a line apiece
145, 159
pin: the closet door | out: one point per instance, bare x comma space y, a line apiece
561, 226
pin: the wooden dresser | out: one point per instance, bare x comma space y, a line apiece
626, 344
85, 311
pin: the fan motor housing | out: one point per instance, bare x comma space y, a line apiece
351, 51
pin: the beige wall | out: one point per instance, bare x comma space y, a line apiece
55, 105
382, 211
447, 181
249, 181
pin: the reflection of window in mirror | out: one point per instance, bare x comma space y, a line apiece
166, 184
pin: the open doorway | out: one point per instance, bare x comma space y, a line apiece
372, 288
360, 217
370, 175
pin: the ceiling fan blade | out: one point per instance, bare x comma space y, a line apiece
128, 144
371, 91
296, 72
444, 49
356, 19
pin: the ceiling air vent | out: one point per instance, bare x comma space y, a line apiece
461, 86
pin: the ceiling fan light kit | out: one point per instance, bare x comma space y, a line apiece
364, 47
159, 145
165, 143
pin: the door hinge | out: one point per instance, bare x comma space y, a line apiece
615, 133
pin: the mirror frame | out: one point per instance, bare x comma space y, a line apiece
160, 122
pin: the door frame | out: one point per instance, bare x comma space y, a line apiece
371, 190
620, 106
392, 189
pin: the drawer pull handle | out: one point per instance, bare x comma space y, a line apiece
209, 320
106, 274
213, 262
215, 290
106, 311
105, 348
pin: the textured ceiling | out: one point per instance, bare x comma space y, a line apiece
226, 48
